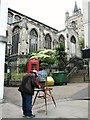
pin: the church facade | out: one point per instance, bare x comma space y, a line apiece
26, 35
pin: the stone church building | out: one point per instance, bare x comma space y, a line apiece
26, 35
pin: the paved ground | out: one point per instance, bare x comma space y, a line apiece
69, 100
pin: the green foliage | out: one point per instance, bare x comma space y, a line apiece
47, 57
14, 76
18, 76
23, 67
50, 57
33, 53
81, 43
61, 55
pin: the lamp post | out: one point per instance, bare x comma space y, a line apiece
8, 66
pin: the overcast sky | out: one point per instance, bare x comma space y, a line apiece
49, 12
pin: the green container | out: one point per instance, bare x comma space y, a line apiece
60, 77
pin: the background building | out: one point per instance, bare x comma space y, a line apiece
26, 35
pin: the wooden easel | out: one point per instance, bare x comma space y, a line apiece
47, 91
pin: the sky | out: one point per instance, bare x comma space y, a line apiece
49, 12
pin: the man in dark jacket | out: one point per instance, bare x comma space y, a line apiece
27, 91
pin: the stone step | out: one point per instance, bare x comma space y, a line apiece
78, 77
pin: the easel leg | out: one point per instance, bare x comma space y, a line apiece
35, 98
45, 102
52, 98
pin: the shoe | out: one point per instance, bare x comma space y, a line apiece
24, 116
32, 116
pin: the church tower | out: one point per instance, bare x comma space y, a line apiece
75, 21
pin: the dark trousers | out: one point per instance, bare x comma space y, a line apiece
26, 104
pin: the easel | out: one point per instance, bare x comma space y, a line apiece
47, 91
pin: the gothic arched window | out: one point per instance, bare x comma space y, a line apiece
62, 39
48, 41
73, 24
73, 40
15, 39
17, 18
73, 45
10, 17
33, 41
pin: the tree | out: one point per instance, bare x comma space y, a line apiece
81, 43
46, 57
61, 56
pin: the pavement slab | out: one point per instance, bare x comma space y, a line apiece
64, 109
68, 103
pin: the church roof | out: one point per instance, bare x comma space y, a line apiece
32, 19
